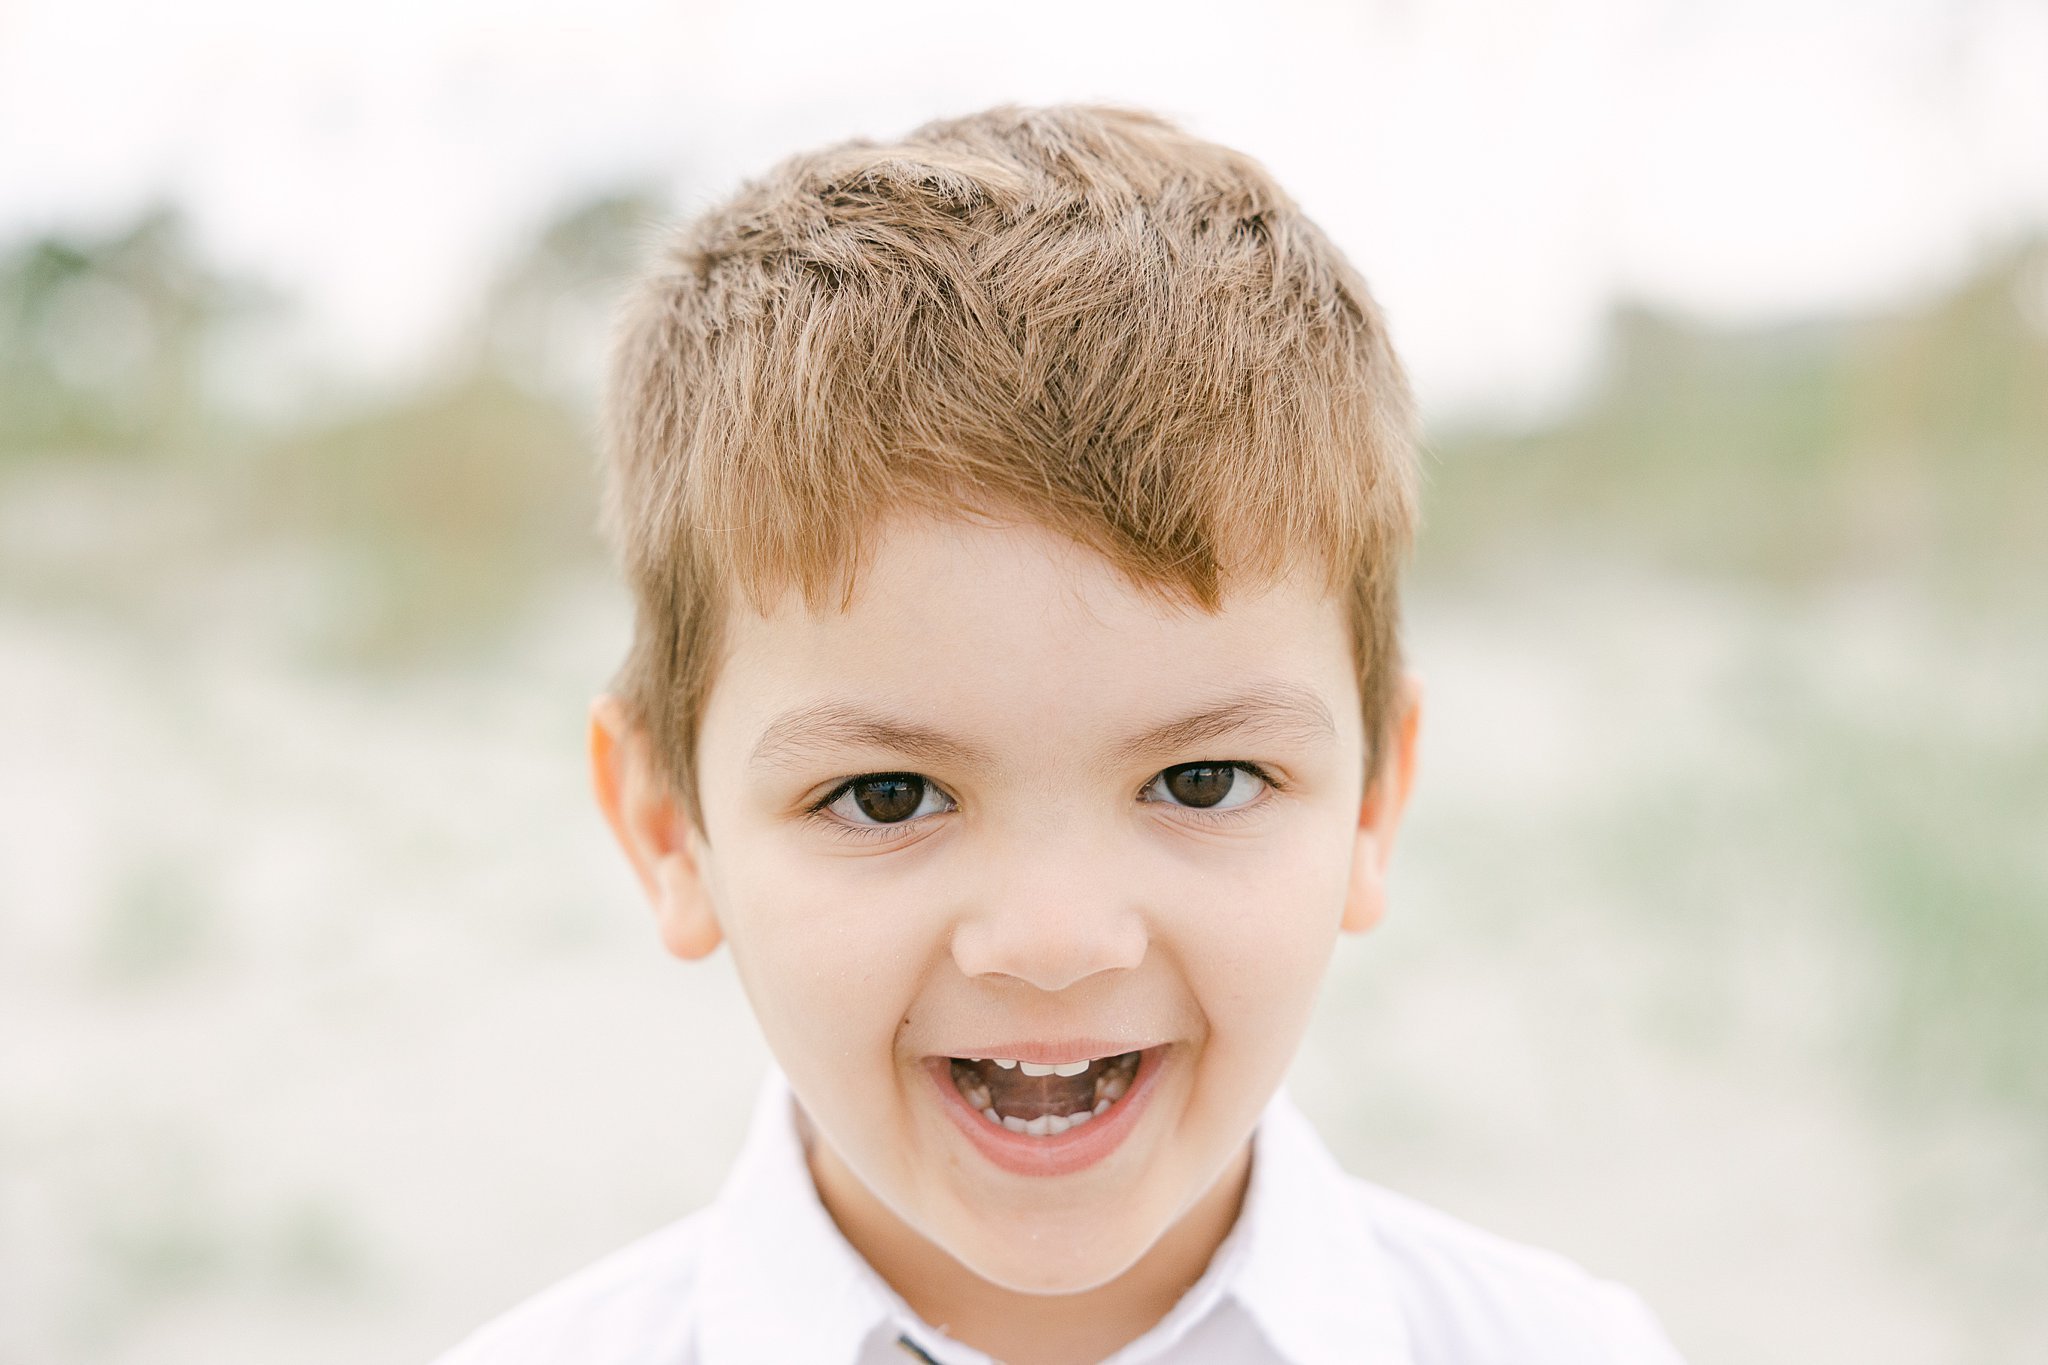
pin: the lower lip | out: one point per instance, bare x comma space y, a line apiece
1055, 1153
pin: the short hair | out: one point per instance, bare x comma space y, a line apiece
1078, 315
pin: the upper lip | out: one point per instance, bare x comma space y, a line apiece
1054, 1054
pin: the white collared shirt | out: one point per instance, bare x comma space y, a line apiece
1321, 1268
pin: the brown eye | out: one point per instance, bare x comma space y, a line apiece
883, 799
1207, 786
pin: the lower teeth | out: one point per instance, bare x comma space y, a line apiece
1109, 1092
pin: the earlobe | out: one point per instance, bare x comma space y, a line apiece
1365, 903
1380, 811
653, 833
683, 910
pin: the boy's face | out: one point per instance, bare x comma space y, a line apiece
991, 812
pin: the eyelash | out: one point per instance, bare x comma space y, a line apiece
846, 830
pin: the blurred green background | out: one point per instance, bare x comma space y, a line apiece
1719, 952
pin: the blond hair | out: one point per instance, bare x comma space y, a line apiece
1076, 315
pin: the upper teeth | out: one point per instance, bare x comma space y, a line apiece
1034, 1069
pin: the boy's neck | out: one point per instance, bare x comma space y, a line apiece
1017, 1328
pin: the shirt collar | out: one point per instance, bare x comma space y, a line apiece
1312, 1274
781, 1282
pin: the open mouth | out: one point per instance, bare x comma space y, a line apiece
1043, 1100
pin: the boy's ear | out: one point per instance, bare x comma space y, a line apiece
665, 849
1379, 815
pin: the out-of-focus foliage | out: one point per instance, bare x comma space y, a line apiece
103, 339
444, 511
546, 320
435, 513
1911, 446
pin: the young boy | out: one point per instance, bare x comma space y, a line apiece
1013, 514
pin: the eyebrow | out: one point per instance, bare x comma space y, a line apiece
1282, 712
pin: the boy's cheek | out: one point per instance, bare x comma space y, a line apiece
829, 958
1257, 970
1252, 976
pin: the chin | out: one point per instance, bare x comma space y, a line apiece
1050, 1259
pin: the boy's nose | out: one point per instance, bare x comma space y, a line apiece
1051, 922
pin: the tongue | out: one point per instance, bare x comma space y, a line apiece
1015, 1095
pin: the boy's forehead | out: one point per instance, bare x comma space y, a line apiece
895, 560
957, 591
954, 627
